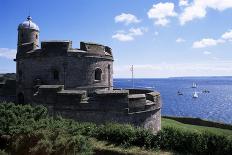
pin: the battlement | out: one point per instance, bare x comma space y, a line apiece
113, 99
56, 45
134, 106
95, 48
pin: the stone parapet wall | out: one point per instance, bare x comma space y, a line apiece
102, 106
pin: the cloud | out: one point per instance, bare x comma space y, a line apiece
209, 68
130, 35
180, 40
7, 53
183, 3
206, 52
122, 37
160, 13
135, 32
227, 35
207, 42
156, 33
198, 9
126, 19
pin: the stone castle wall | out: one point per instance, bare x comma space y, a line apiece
103, 105
76, 69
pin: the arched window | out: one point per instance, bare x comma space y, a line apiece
98, 74
36, 36
56, 75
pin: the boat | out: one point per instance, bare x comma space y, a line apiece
194, 85
179, 93
205, 91
195, 95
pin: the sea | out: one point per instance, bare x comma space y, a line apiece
214, 105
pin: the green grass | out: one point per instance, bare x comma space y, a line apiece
169, 122
104, 147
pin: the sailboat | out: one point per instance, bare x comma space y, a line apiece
195, 95
194, 85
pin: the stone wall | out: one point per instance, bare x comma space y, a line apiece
102, 106
75, 68
7, 87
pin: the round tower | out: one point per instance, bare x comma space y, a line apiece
28, 35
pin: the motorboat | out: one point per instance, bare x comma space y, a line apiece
179, 93
205, 91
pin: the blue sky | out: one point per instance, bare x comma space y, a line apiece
162, 38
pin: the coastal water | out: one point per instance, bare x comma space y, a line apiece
215, 105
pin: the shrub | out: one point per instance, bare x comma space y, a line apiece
194, 142
2, 152
117, 133
29, 130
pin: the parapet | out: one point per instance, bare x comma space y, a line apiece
134, 106
95, 48
25, 47
143, 100
56, 45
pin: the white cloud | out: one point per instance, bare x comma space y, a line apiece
156, 33
206, 42
180, 40
136, 32
126, 19
198, 9
206, 52
7, 53
160, 13
183, 3
130, 35
209, 68
122, 37
227, 35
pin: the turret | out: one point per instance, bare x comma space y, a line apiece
28, 36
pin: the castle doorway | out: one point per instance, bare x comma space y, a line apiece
20, 98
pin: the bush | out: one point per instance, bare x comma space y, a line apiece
117, 133
169, 138
194, 142
2, 152
29, 130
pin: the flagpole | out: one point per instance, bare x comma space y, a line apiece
132, 72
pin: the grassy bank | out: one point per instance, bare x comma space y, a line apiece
199, 122
29, 130
167, 122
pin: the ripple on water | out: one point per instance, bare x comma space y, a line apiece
216, 105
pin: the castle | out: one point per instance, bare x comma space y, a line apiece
78, 83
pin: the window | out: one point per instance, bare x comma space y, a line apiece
36, 36
55, 75
98, 74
